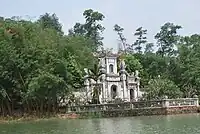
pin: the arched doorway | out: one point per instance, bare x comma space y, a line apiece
132, 96
113, 91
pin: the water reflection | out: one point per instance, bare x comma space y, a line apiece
116, 126
176, 124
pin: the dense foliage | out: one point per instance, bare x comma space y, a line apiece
175, 62
39, 64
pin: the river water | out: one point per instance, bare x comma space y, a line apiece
172, 124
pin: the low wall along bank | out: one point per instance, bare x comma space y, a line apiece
159, 107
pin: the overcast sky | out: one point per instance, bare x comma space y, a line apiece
130, 14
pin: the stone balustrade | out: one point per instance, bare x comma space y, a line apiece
164, 103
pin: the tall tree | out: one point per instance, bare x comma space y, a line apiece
123, 45
91, 28
51, 21
149, 48
78, 29
119, 31
167, 38
141, 39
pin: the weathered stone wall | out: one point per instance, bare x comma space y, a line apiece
156, 107
182, 110
139, 112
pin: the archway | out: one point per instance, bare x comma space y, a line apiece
111, 68
132, 96
113, 91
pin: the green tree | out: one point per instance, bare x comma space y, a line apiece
95, 74
141, 39
91, 28
36, 67
149, 48
50, 21
122, 39
167, 39
78, 29
80, 47
132, 64
159, 88
188, 63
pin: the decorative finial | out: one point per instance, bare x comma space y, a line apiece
132, 74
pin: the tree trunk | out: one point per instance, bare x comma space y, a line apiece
9, 107
48, 106
41, 111
2, 108
28, 107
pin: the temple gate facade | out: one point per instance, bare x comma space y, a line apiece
115, 82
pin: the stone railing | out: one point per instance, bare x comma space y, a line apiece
165, 103
182, 102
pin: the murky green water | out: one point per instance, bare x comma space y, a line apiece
176, 124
